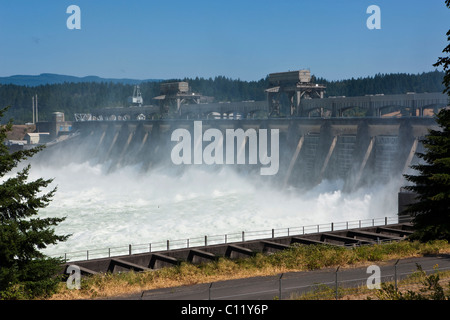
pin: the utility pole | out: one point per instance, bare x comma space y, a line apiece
32, 107
37, 113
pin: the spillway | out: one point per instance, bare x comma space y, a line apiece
117, 183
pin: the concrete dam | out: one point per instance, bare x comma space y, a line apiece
282, 142
358, 151
220, 166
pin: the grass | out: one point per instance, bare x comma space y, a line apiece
296, 258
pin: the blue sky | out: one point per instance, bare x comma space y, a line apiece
245, 39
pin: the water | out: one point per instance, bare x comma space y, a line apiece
128, 207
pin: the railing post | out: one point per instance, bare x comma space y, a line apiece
87, 254
187, 243
206, 241
167, 244
385, 221
273, 233
332, 226
243, 239
129, 249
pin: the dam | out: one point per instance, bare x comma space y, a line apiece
118, 181
358, 151
315, 140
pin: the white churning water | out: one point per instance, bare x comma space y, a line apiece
129, 207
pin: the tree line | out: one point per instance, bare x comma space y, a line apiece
84, 97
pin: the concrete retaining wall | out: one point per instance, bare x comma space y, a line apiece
196, 255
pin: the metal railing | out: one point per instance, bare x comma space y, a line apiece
206, 240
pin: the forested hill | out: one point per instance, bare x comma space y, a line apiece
83, 97
51, 78
397, 83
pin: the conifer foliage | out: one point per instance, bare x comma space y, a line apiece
25, 272
432, 210
445, 61
432, 185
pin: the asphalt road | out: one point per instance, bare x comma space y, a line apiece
267, 288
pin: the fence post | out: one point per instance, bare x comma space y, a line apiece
87, 254
273, 233
385, 221
187, 243
395, 274
206, 241
332, 226
129, 249
279, 285
243, 239
167, 244
209, 291
337, 282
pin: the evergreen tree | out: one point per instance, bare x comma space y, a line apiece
432, 186
445, 61
432, 211
431, 214
25, 272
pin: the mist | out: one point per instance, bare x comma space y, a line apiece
133, 206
